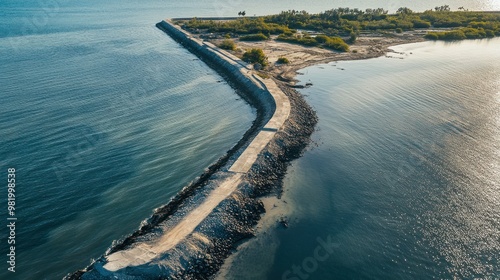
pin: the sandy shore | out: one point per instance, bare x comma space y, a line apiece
366, 46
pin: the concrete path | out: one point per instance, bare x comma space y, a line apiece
145, 252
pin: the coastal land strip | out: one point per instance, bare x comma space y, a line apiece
192, 235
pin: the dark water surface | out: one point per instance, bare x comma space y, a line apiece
103, 124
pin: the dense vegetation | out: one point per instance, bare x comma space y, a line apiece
349, 23
254, 37
344, 21
334, 43
460, 34
240, 26
255, 56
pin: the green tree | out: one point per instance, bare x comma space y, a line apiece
255, 56
404, 11
444, 8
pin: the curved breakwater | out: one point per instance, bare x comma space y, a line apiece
230, 67
254, 167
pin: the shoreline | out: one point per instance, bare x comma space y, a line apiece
234, 220
366, 47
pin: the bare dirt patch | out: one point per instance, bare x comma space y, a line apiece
366, 46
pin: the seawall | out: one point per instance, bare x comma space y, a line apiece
258, 162
228, 65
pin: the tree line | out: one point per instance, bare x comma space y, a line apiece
347, 22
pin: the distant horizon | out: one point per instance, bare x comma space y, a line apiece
391, 6
256, 16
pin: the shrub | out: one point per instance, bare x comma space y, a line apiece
254, 37
263, 75
404, 25
474, 33
431, 36
283, 60
255, 56
228, 44
399, 30
490, 33
305, 41
322, 38
336, 43
308, 41
453, 35
458, 34
352, 37
447, 23
421, 24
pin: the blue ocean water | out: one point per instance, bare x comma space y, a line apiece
105, 118
403, 178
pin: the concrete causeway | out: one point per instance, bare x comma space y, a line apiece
263, 89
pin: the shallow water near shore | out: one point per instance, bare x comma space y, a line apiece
403, 180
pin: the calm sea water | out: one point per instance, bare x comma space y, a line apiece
105, 118
404, 179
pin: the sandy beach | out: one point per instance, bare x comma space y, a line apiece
365, 47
